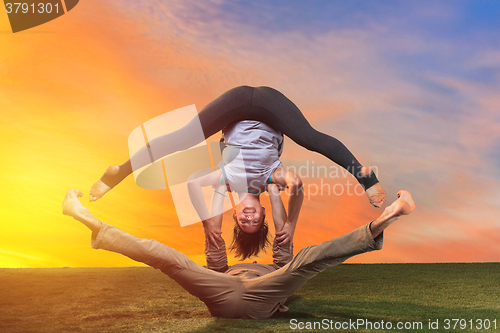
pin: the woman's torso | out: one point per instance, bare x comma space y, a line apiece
251, 155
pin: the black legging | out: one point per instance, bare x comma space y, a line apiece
263, 104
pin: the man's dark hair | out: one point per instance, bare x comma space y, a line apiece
246, 245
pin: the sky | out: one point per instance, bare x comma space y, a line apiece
412, 88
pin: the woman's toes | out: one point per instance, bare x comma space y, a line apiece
98, 190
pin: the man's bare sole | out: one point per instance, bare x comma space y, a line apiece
72, 206
99, 189
404, 205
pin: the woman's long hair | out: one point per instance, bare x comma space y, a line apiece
246, 245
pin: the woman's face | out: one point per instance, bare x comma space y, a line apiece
250, 217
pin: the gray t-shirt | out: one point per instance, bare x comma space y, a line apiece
251, 155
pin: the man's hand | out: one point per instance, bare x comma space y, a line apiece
286, 235
212, 233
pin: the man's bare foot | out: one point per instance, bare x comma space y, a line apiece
376, 194
99, 188
404, 205
73, 207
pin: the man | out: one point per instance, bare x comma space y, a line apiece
254, 292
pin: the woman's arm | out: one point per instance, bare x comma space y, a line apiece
218, 204
289, 180
211, 223
285, 227
278, 209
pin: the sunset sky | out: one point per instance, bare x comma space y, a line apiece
412, 88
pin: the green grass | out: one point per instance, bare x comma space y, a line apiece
136, 299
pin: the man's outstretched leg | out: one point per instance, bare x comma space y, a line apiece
274, 287
218, 291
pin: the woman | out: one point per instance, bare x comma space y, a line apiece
282, 249
263, 104
250, 162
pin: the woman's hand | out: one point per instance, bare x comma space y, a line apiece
212, 233
286, 235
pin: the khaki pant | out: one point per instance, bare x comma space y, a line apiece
237, 296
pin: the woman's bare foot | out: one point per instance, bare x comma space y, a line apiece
404, 205
376, 194
74, 208
99, 188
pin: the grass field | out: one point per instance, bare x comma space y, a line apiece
137, 299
